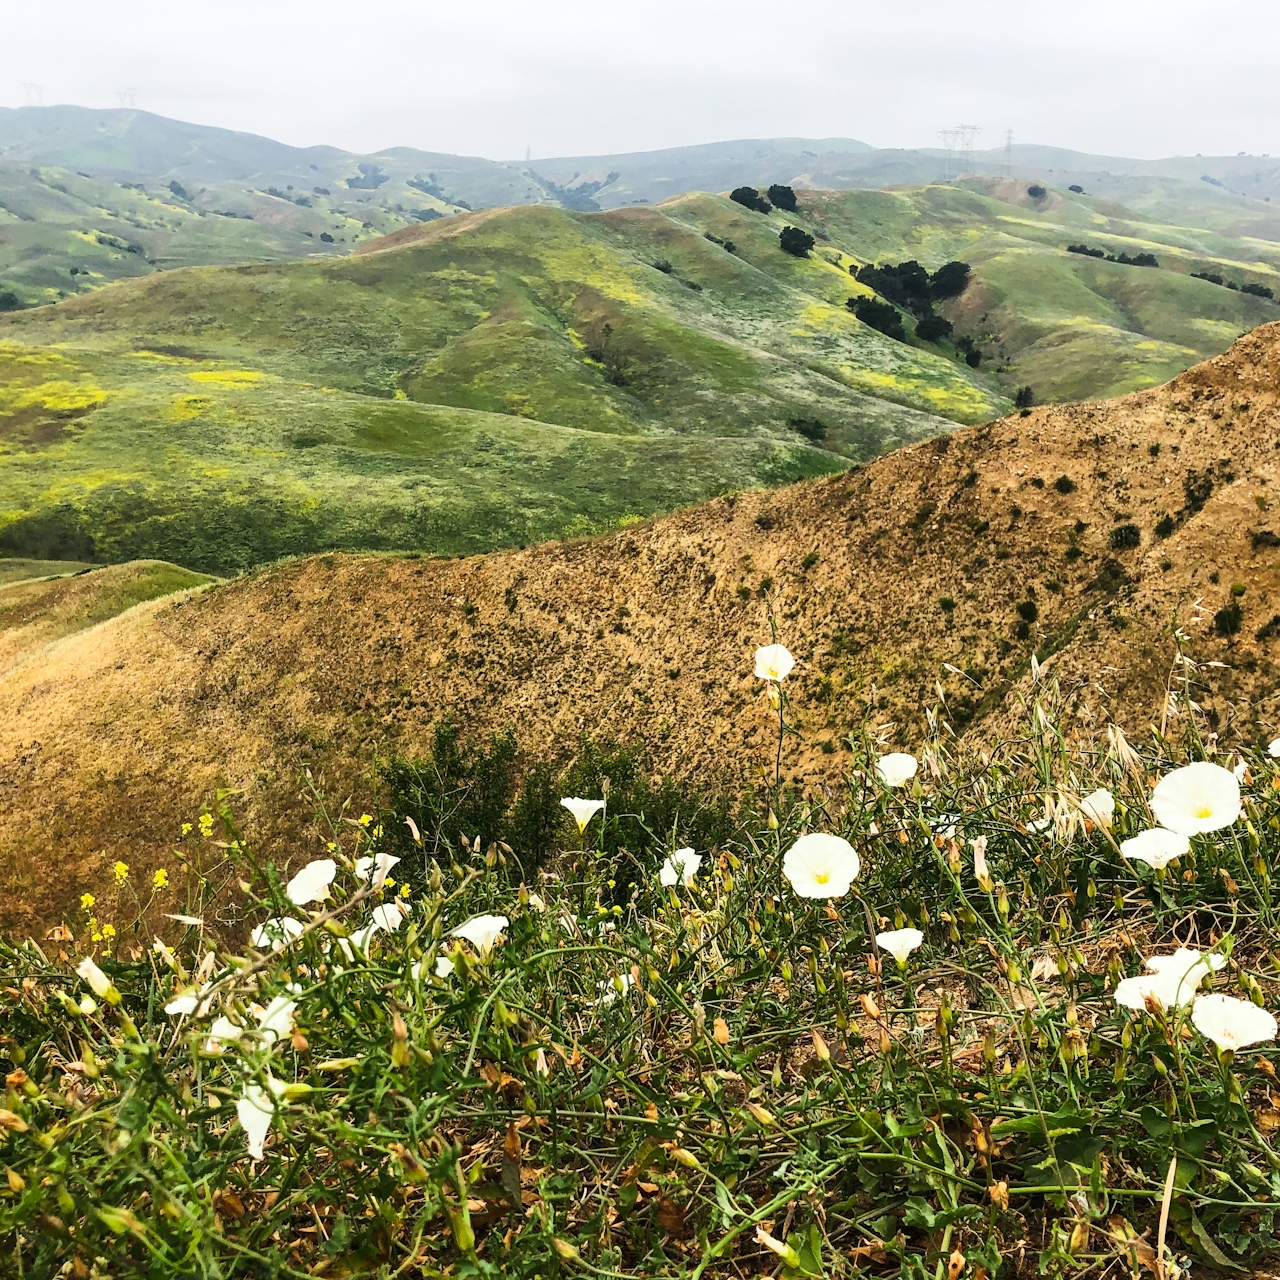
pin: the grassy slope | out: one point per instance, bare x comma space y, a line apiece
1071, 327
222, 416
35, 613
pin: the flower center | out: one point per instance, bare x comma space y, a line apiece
1204, 811
822, 877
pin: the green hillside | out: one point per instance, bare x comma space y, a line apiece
489, 380
1069, 326
500, 377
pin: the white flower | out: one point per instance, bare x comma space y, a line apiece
444, 966
388, 916
276, 1019
1240, 769
680, 866
611, 988
1099, 807
223, 1031
1231, 1023
482, 932
312, 882
897, 768
1273, 748
821, 866
774, 662
98, 982
254, 1111
358, 941
375, 868
1197, 798
182, 1004
1157, 847
277, 932
1174, 979
900, 943
165, 953
583, 810
981, 872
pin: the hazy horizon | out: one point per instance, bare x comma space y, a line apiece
567, 77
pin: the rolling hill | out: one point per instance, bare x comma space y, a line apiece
1076, 534
493, 379
506, 376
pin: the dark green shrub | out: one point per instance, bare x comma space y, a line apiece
783, 197
795, 241
1036, 191
1022, 630
1124, 537
947, 604
1164, 526
1024, 398
933, 328
811, 428
9, 301
1226, 622
1065, 484
973, 358
949, 281
810, 560
750, 198
1027, 610
879, 315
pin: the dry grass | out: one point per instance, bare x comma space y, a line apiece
110, 739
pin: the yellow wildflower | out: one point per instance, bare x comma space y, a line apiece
108, 931
160, 880
404, 890
186, 828
122, 872
86, 901
206, 825
365, 819
388, 883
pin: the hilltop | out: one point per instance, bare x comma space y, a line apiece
1075, 534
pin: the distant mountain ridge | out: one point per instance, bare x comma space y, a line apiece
124, 142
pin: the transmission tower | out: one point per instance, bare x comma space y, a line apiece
965, 134
1008, 153
127, 98
35, 94
948, 138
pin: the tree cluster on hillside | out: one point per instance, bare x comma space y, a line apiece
1255, 290
909, 286
750, 198
1137, 260
795, 241
783, 197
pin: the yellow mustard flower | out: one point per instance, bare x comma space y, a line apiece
404, 890
365, 819
122, 872
206, 825
160, 880
388, 883
186, 828
108, 931
86, 901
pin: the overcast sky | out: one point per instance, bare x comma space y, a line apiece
1142, 78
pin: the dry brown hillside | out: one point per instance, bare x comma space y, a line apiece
878, 579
